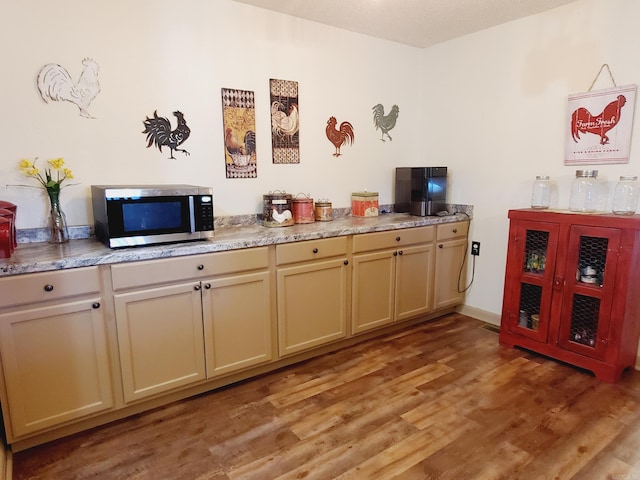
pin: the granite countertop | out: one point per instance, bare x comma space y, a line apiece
41, 257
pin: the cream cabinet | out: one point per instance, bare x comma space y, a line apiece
392, 276
450, 278
54, 350
312, 289
211, 315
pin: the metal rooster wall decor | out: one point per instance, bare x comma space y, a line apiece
385, 122
159, 133
55, 85
339, 136
239, 124
285, 121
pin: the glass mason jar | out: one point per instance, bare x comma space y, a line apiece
584, 191
625, 196
541, 192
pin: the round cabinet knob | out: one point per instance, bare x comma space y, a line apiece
397, 239
200, 267
440, 246
96, 305
346, 262
196, 287
48, 288
455, 230
207, 286
395, 254
315, 250
400, 252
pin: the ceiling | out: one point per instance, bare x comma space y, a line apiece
419, 23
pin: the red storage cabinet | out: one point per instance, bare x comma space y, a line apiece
572, 288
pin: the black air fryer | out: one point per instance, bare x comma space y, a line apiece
421, 191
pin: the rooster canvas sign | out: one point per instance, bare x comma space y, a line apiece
56, 85
239, 125
285, 121
600, 125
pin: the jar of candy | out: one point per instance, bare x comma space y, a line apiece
625, 195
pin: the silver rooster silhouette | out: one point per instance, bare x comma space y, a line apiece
55, 84
385, 122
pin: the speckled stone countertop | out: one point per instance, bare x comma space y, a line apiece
41, 257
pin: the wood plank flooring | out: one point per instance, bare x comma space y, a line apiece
441, 400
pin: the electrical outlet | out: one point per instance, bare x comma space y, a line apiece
475, 248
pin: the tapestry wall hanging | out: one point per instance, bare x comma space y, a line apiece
600, 125
285, 121
239, 126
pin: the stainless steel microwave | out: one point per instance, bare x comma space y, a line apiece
133, 215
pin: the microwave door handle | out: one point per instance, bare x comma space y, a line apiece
192, 217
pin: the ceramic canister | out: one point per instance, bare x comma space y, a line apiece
277, 209
303, 209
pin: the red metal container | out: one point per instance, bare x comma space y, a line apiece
303, 209
5, 238
13, 209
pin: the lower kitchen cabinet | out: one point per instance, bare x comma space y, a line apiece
160, 338
392, 277
237, 322
450, 276
55, 360
312, 288
216, 322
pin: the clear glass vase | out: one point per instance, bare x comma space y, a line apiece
58, 229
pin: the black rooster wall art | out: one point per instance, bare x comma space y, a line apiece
385, 122
159, 133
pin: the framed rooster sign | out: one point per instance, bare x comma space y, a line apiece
600, 125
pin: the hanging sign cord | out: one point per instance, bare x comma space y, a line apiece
610, 75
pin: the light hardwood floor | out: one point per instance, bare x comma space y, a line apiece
441, 400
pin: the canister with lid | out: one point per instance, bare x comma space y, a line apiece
303, 209
277, 209
13, 209
584, 191
625, 195
323, 210
364, 204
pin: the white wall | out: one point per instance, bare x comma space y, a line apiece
495, 104
490, 105
168, 55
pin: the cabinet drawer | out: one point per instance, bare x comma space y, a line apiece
41, 287
392, 239
447, 231
128, 275
311, 250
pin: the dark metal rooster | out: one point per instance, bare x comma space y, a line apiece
385, 122
159, 133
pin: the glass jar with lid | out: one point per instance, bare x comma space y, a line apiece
541, 192
584, 191
625, 195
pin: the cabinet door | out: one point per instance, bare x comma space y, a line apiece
161, 339
372, 293
414, 271
530, 279
237, 322
587, 296
449, 276
55, 364
312, 304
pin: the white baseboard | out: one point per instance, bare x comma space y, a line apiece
485, 316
